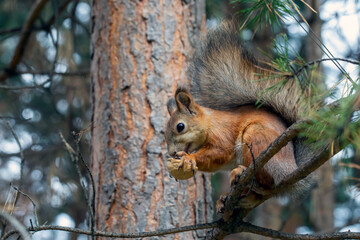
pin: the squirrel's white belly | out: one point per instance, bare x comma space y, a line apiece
237, 159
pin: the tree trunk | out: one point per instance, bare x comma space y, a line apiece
140, 50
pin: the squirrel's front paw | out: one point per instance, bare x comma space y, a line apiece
220, 207
182, 168
235, 174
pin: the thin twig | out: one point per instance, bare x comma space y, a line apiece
67, 146
21, 154
352, 61
91, 205
39, 72
33, 203
42, 28
120, 235
248, 227
25, 34
55, 42
20, 228
11, 30
241, 227
75, 155
24, 87
325, 50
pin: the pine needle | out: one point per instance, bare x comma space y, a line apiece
309, 6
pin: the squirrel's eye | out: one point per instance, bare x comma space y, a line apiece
180, 127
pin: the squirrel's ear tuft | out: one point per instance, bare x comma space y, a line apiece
171, 106
184, 101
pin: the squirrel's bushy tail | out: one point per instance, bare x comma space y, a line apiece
224, 75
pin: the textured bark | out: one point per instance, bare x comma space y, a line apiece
140, 53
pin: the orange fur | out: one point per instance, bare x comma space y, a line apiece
221, 136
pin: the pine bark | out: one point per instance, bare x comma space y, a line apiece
140, 50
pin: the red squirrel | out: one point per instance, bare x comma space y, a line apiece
214, 125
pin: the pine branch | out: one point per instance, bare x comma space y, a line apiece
352, 61
322, 155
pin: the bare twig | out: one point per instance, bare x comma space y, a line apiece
26, 30
352, 61
91, 205
65, 74
11, 30
55, 42
248, 227
15, 118
241, 227
24, 87
68, 147
120, 235
20, 228
33, 203
42, 28
29, 152
324, 49
52, 20
25, 34
75, 156
21, 154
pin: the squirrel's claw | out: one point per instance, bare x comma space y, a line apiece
181, 164
235, 174
180, 154
183, 168
220, 205
193, 167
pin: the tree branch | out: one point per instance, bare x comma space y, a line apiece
91, 205
352, 61
242, 227
11, 88
75, 157
117, 235
25, 34
21, 154
65, 74
33, 203
248, 227
237, 190
17, 225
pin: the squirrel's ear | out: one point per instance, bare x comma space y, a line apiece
185, 102
171, 106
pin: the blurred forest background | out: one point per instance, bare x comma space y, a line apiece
47, 91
